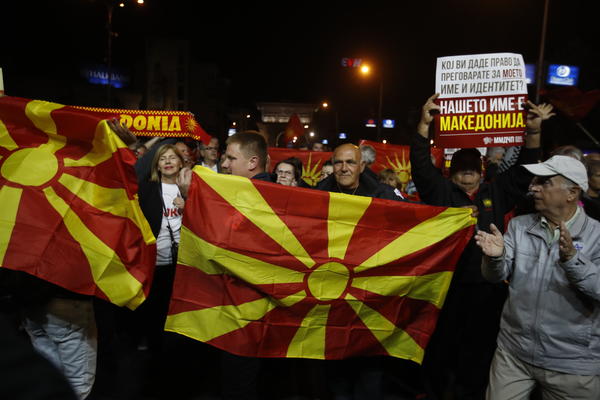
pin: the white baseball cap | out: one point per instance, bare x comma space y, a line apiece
566, 166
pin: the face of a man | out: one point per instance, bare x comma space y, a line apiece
467, 180
594, 181
211, 151
182, 149
285, 175
347, 166
326, 171
237, 162
549, 193
317, 147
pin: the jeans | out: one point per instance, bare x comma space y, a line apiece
64, 332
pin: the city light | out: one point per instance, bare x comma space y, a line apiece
365, 69
121, 5
325, 104
140, 1
384, 141
305, 126
312, 134
234, 123
247, 115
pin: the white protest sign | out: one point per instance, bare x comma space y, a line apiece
482, 99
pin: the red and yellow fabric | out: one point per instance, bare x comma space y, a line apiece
266, 270
397, 158
155, 122
70, 209
312, 161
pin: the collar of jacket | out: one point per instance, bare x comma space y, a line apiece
578, 226
366, 184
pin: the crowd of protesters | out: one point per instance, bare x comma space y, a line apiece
521, 318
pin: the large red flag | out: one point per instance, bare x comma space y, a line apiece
266, 270
70, 213
312, 161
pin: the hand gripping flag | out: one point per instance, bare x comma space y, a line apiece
70, 213
266, 270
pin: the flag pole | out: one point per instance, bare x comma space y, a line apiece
540, 63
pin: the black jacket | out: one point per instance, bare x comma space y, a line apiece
149, 194
493, 200
367, 186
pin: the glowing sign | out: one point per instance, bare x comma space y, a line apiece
389, 123
564, 75
98, 75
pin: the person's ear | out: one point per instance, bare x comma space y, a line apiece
252, 163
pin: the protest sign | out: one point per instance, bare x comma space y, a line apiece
482, 100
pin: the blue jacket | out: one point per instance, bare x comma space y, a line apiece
551, 318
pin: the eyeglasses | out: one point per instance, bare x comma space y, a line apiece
288, 173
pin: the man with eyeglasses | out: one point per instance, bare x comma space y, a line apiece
210, 155
550, 329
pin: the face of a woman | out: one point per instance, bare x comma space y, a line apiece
169, 164
285, 175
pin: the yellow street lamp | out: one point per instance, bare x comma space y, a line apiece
325, 104
365, 70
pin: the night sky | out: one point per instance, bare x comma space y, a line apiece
284, 51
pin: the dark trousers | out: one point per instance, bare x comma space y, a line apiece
459, 354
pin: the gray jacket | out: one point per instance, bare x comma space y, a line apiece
551, 318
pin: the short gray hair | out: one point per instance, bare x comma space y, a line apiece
368, 153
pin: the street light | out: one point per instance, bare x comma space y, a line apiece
365, 70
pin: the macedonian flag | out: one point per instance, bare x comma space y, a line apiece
70, 213
266, 270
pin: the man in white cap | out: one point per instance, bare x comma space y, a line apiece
550, 330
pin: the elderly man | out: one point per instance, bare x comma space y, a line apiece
348, 176
461, 350
359, 378
551, 319
210, 155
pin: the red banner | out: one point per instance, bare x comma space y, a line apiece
312, 161
397, 158
155, 123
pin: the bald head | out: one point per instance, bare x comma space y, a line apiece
347, 166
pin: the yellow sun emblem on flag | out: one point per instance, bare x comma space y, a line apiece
45, 172
311, 173
401, 167
318, 284
191, 125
